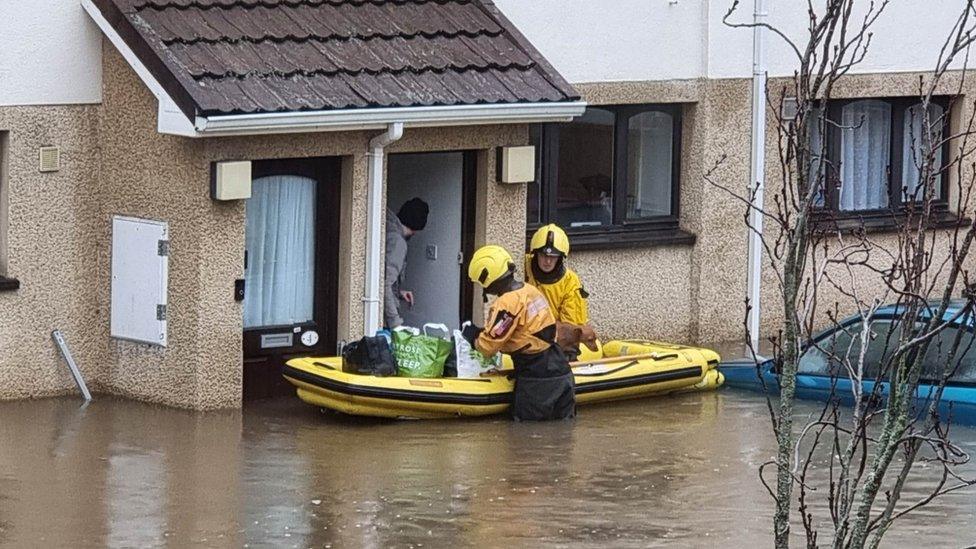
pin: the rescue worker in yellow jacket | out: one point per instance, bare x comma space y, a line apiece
521, 324
545, 268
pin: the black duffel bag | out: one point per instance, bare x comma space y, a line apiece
369, 356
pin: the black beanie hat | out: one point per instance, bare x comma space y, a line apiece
413, 214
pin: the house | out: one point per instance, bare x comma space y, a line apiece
194, 190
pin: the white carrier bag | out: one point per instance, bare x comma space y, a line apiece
470, 362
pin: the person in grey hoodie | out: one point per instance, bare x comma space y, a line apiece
411, 219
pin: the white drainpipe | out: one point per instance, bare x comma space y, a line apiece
374, 221
758, 176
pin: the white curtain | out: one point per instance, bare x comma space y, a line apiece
913, 153
649, 163
865, 155
280, 243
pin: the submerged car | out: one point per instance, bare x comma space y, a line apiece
822, 374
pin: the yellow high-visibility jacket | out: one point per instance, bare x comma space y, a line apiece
566, 296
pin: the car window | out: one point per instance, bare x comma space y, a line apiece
843, 346
826, 357
885, 335
951, 349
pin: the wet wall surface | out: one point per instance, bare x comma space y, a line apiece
678, 471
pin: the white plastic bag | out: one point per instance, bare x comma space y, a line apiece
470, 362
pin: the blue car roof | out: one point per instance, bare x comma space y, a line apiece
952, 310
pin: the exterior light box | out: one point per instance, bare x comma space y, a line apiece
230, 180
516, 164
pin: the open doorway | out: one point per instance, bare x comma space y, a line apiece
436, 255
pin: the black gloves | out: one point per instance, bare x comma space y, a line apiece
470, 333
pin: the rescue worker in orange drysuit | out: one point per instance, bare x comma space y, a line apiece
521, 324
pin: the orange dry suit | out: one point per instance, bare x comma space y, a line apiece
563, 290
521, 324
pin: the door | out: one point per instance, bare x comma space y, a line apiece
435, 270
290, 269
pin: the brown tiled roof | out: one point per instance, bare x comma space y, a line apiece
250, 56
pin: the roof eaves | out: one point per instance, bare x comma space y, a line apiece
157, 67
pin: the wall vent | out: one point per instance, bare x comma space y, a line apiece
50, 159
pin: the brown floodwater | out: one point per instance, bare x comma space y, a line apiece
676, 470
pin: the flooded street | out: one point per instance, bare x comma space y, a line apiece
679, 471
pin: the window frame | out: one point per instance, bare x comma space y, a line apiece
634, 231
6, 283
896, 203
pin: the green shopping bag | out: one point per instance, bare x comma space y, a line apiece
419, 354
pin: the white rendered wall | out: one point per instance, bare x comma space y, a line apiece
50, 53
907, 37
614, 40
50, 50
646, 40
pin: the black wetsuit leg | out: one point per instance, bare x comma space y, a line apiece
544, 388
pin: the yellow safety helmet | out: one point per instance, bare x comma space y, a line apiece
490, 264
550, 240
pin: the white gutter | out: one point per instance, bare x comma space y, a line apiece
374, 218
757, 182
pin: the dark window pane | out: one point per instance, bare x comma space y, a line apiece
585, 168
815, 126
533, 199
914, 150
649, 155
946, 355
827, 356
865, 155
834, 354
885, 336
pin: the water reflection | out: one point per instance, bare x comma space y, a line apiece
679, 470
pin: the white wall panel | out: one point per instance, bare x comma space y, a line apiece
907, 37
635, 40
50, 53
614, 40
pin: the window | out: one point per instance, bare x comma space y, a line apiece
613, 170
280, 245
5, 283
873, 149
832, 351
841, 348
956, 344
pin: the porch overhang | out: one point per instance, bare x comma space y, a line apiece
177, 116
381, 118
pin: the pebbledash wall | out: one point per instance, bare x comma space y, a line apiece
114, 161
50, 84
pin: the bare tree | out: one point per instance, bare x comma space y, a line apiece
826, 266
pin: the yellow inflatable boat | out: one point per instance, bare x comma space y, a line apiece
660, 368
